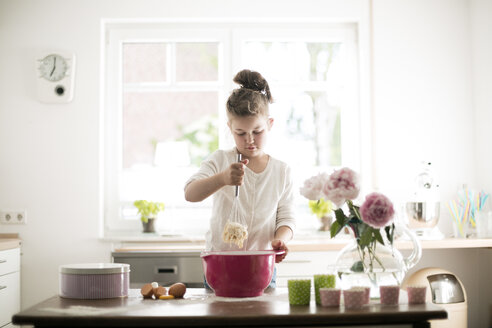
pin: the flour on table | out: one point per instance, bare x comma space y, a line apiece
84, 310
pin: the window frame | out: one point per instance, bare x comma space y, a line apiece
113, 104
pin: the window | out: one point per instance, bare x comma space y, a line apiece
166, 88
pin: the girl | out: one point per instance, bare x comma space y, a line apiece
265, 199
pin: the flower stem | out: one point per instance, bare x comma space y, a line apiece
372, 251
351, 206
362, 256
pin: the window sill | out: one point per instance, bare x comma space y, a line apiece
155, 237
314, 241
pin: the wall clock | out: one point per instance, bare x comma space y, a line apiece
55, 80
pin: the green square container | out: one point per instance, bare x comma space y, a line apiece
323, 281
299, 291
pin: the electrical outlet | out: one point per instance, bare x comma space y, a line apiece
13, 217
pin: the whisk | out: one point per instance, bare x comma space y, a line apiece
234, 231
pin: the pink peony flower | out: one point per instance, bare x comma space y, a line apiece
313, 186
342, 184
377, 210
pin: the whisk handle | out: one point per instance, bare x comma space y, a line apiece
239, 158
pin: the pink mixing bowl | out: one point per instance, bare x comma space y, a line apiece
239, 273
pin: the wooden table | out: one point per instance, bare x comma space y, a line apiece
200, 308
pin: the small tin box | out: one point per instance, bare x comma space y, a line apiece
94, 280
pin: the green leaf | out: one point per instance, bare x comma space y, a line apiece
378, 236
357, 267
361, 228
390, 232
365, 238
387, 230
354, 211
148, 209
340, 217
335, 229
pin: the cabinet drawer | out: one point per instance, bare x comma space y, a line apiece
165, 269
301, 264
9, 261
9, 296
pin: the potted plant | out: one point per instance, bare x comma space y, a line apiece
322, 209
148, 211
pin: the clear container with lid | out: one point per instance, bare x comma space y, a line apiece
94, 280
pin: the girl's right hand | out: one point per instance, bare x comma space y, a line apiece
233, 176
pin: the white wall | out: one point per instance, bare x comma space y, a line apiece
481, 36
422, 92
49, 153
431, 77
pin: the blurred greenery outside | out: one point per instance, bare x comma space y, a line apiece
203, 139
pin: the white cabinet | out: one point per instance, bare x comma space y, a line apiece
9, 285
303, 265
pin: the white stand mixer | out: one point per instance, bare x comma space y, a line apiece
422, 214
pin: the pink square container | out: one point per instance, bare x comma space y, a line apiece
94, 280
354, 298
367, 293
330, 296
389, 294
416, 294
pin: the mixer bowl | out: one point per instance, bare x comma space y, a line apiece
239, 273
422, 215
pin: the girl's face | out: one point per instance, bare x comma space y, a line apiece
250, 133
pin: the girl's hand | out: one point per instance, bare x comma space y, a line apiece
233, 176
279, 245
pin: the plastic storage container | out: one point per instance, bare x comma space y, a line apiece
94, 280
239, 273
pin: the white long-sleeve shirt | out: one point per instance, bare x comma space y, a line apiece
265, 201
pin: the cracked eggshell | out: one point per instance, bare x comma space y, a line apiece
147, 291
159, 291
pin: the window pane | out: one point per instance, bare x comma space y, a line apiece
312, 60
197, 62
144, 62
309, 123
322, 56
150, 118
307, 115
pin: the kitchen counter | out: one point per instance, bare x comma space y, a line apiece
317, 242
9, 241
204, 309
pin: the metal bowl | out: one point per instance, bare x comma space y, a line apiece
422, 215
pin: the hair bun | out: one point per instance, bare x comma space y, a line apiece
254, 81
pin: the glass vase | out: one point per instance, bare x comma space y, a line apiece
375, 265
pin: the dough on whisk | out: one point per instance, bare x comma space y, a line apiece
235, 233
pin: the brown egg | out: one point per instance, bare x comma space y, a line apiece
177, 290
147, 291
159, 291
